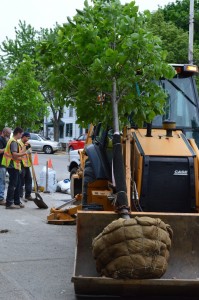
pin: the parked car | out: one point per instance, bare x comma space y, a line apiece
77, 143
39, 143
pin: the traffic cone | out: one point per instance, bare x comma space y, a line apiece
36, 161
50, 165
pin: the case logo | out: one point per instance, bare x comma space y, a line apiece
180, 172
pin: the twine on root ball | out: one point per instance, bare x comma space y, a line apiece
136, 248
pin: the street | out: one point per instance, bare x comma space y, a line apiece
59, 163
36, 260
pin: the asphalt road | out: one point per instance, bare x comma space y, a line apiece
36, 258
59, 162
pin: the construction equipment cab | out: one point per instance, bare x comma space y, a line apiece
182, 105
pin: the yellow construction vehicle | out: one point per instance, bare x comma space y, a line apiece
162, 181
161, 164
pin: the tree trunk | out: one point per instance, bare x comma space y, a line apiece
118, 164
56, 130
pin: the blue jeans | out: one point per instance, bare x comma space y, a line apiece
2, 182
13, 187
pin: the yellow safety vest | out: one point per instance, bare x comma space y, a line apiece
26, 158
7, 156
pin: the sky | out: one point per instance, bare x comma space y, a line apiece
46, 13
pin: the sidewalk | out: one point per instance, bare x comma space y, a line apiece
37, 258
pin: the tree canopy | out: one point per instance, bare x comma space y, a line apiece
171, 23
174, 39
20, 98
27, 43
107, 53
55, 87
178, 13
106, 43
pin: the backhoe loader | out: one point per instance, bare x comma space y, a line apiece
161, 164
162, 182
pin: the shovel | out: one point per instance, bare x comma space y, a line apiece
38, 199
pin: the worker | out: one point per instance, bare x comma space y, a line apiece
26, 162
12, 161
4, 137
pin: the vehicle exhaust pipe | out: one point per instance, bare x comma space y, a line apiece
169, 126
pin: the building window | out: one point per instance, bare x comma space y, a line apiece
69, 130
70, 111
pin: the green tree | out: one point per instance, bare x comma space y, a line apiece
174, 39
55, 88
3, 75
13, 51
171, 23
104, 47
26, 42
21, 103
178, 13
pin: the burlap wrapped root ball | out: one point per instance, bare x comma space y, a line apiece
136, 248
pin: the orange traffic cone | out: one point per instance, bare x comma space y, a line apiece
50, 165
36, 161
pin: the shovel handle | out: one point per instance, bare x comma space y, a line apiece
33, 175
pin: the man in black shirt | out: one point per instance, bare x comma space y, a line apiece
5, 135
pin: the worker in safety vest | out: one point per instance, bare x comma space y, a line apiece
26, 163
12, 161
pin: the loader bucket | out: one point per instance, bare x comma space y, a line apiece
181, 277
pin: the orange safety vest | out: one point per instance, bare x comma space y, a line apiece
7, 156
26, 158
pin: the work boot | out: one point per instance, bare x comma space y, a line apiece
29, 198
21, 205
2, 202
13, 206
23, 199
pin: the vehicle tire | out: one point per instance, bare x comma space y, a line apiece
48, 150
73, 171
70, 149
89, 176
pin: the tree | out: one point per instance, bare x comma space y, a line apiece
178, 13
3, 75
171, 23
16, 53
27, 42
174, 39
21, 103
105, 48
55, 88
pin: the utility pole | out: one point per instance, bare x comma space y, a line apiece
191, 31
